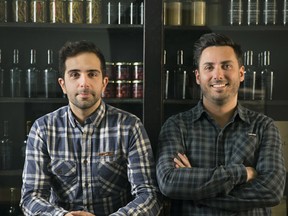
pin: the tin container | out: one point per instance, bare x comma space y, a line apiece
137, 89
137, 71
123, 89
122, 71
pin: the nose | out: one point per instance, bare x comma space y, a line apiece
83, 80
218, 73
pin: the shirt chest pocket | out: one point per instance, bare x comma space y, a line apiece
64, 172
112, 175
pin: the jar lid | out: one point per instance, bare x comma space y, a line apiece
123, 81
122, 63
109, 63
137, 63
137, 81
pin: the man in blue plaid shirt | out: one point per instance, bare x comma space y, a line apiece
88, 158
220, 158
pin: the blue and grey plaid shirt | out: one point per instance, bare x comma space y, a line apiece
105, 166
216, 183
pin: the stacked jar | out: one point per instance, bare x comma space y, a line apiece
137, 80
110, 90
123, 80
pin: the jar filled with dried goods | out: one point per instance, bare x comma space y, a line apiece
3, 11
57, 11
38, 9
75, 11
93, 11
20, 10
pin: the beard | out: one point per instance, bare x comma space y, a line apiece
85, 103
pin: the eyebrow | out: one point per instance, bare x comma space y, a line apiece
222, 62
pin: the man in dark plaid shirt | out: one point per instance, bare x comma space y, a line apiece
88, 158
220, 158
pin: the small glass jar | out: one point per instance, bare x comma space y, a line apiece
38, 9
137, 71
3, 11
110, 90
20, 10
75, 11
122, 71
198, 13
57, 10
123, 89
137, 89
110, 70
93, 11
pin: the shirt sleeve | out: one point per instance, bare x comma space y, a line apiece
36, 180
142, 176
191, 183
267, 189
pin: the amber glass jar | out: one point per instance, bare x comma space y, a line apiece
3, 11
93, 11
38, 11
75, 11
57, 11
20, 10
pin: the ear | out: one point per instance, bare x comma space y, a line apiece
62, 84
241, 73
197, 76
105, 82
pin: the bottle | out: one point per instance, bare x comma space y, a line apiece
267, 78
122, 8
38, 10
168, 91
75, 11
250, 74
1, 76
285, 12
23, 149
14, 209
20, 10
5, 148
111, 9
253, 12
93, 11
16, 76
180, 77
57, 11
198, 13
235, 13
3, 11
31, 77
50, 78
270, 12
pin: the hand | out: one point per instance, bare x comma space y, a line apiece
182, 161
251, 173
79, 213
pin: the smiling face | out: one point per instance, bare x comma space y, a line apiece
219, 75
83, 82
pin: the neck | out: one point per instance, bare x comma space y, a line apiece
221, 113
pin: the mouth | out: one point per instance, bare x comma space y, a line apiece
219, 86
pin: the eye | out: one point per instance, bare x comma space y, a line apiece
94, 74
74, 74
227, 66
208, 67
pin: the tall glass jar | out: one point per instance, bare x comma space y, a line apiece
93, 11
57, 11
75, 11
3, 11
38, 9
198, 13
174, 13
20, 10
235, 12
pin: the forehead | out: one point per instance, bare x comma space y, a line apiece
217, 54
86, 59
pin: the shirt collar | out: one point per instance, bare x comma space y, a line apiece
240, 111
94, 118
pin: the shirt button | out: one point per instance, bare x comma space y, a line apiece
86, 184
85, 161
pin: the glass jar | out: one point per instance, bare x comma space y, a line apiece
93, 11
3, 11
20, 10
198, 13
122, 71
75, 11
137, 89
137, 71
110, 70
57, 10
110, 91
215, 13
123, 89
174, 13
38, 9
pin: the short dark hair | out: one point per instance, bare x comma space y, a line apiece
214, 39
71, 49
